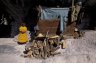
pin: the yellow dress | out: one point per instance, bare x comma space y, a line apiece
22, 37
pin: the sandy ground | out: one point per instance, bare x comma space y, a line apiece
80, 50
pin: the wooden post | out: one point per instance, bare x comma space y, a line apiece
72, 5
72, 11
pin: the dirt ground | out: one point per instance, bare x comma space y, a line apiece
80, 50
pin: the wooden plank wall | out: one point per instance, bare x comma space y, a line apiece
49, 25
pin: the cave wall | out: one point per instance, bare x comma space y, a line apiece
22, 10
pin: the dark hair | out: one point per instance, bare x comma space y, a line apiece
23, 24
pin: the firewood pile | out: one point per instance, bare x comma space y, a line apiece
42, 47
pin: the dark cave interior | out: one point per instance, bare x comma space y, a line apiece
30, 14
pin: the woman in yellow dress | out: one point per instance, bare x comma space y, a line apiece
22, 37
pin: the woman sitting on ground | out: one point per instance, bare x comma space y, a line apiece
22, 36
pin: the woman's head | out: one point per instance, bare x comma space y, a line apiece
22, 24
